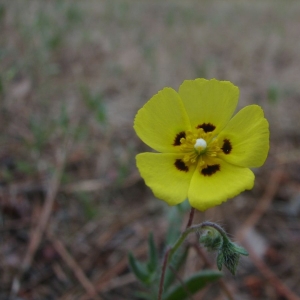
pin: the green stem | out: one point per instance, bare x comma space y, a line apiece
171, 251
191, 229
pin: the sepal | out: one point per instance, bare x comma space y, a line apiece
215, 239
211, 239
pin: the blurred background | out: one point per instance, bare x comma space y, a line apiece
72, 76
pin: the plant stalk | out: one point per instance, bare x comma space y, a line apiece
170, 251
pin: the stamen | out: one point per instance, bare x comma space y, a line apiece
196, 146
213, 148
200, 145
201, 163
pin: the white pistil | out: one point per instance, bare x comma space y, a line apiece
200, 145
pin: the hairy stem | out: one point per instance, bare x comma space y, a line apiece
170, 251
191, 217
163, 271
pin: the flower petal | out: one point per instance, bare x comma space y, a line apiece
209, 103
248, 135
166, 175
161, 120
208, 189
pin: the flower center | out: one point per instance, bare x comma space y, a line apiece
200, 145
197, 145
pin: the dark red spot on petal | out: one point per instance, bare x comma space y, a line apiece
210, 170
226, 148
207, 127
178, 138
180, 165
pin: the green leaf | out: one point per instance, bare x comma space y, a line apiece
241, 250
41, 130
211, 239
146, 295
153, 255
2, 12
214, 238
64, 119
183, 207
273, 94
229, 256
87, 206
139, 270
192, 285
174, 220
220, 261
25, 167
100, 109
177, 261
95, 103
73, 14
1, 86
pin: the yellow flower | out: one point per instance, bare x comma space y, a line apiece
205, 154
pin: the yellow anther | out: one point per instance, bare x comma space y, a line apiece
197, 146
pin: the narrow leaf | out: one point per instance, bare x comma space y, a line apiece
192, 285
241, 250
177, 261
138, 269
174, 221
220, 261
145, 295
153, 255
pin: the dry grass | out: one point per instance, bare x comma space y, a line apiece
73, 74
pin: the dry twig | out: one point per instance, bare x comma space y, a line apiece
38, 231
250, 222
277, 284
203, 256
262, 205
104, 279
72, 264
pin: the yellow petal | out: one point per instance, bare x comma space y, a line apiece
209, 103
161, 120
165, 175
248, 134
225, 182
